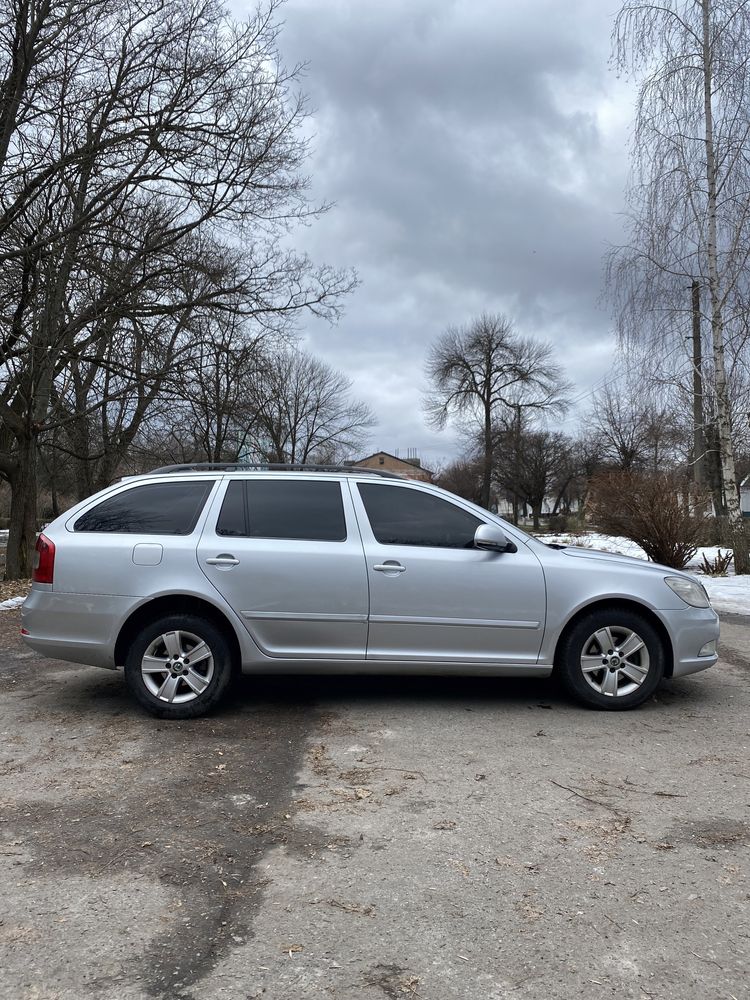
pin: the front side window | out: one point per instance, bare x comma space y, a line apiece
270, 508
402, 516
154, 509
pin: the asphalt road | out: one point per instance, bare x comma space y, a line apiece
374, 838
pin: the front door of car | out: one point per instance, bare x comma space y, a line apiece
433, 595
286, 555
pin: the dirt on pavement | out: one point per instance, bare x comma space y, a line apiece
370, 838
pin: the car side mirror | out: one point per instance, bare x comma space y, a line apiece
492, 538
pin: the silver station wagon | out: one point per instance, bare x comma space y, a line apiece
189, 574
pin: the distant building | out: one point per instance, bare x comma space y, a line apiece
409, 468
745, 496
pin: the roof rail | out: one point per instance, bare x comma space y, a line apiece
272, 467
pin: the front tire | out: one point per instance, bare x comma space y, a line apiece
611, 659
179, 667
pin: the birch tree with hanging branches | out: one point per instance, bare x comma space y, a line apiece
689, 199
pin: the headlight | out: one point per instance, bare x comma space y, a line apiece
691, 592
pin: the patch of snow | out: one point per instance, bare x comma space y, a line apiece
728, 593
12, 602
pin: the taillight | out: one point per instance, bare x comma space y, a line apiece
44, 560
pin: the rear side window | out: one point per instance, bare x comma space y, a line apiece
155, 509
232, 517
277, 509
402, 516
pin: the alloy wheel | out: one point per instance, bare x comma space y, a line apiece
615, 661
177, 667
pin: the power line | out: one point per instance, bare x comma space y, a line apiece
607, 380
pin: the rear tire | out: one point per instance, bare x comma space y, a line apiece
611, 659
179, 667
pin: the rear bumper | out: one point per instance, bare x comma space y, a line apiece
80, 628
690, 630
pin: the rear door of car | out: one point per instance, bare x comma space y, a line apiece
433, 595
286, 554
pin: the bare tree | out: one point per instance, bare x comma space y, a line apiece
532, 465
636, 424
690, 197
103, 392
106, 400
304, 411
462, 477
587, 459
485, 369
41, 39
208, 421
143, 143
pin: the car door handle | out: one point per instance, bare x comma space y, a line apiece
390, 566
223, 560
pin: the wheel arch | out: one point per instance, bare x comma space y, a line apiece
175, 604
620, 604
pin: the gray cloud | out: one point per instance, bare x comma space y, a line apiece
476, 154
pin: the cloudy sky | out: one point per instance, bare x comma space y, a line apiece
476, 153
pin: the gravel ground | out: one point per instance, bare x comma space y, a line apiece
14, 588
373, 838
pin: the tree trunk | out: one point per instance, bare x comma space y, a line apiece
23, 514
536, 510
699, 444
726, 453
487, 461
713, 469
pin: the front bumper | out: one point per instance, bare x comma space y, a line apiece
690, 629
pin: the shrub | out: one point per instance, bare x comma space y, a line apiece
718, 566
654, 510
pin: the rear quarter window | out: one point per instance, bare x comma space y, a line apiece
152, 509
